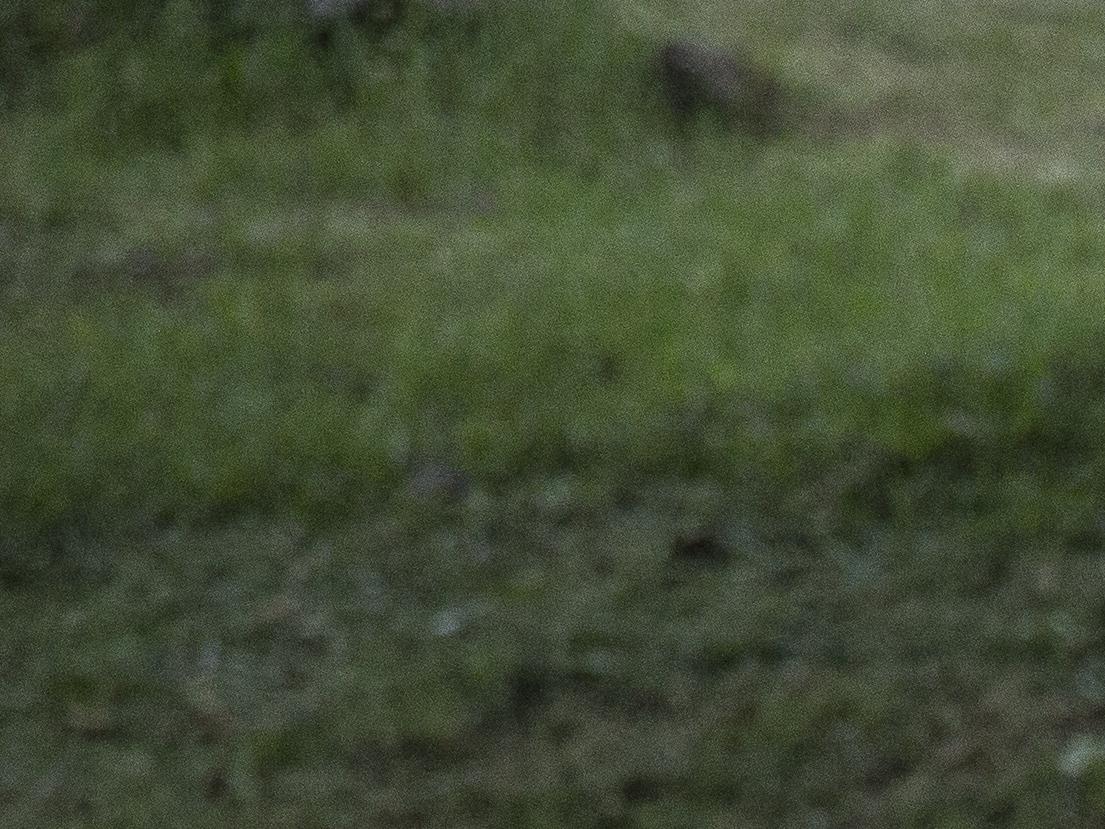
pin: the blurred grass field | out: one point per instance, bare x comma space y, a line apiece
421, 432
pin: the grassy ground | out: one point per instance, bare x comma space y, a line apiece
424, 434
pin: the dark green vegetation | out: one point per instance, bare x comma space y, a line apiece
418, 430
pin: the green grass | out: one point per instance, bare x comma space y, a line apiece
423, 434
540, 659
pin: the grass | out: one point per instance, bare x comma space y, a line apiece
422, 434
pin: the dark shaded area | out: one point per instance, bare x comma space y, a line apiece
292, 676
703, 80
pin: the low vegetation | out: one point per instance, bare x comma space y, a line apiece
435, 423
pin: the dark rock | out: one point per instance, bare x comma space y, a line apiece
700, 79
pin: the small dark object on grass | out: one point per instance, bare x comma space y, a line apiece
639, 789
702, 548
529, 687
216, 785
700, 79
